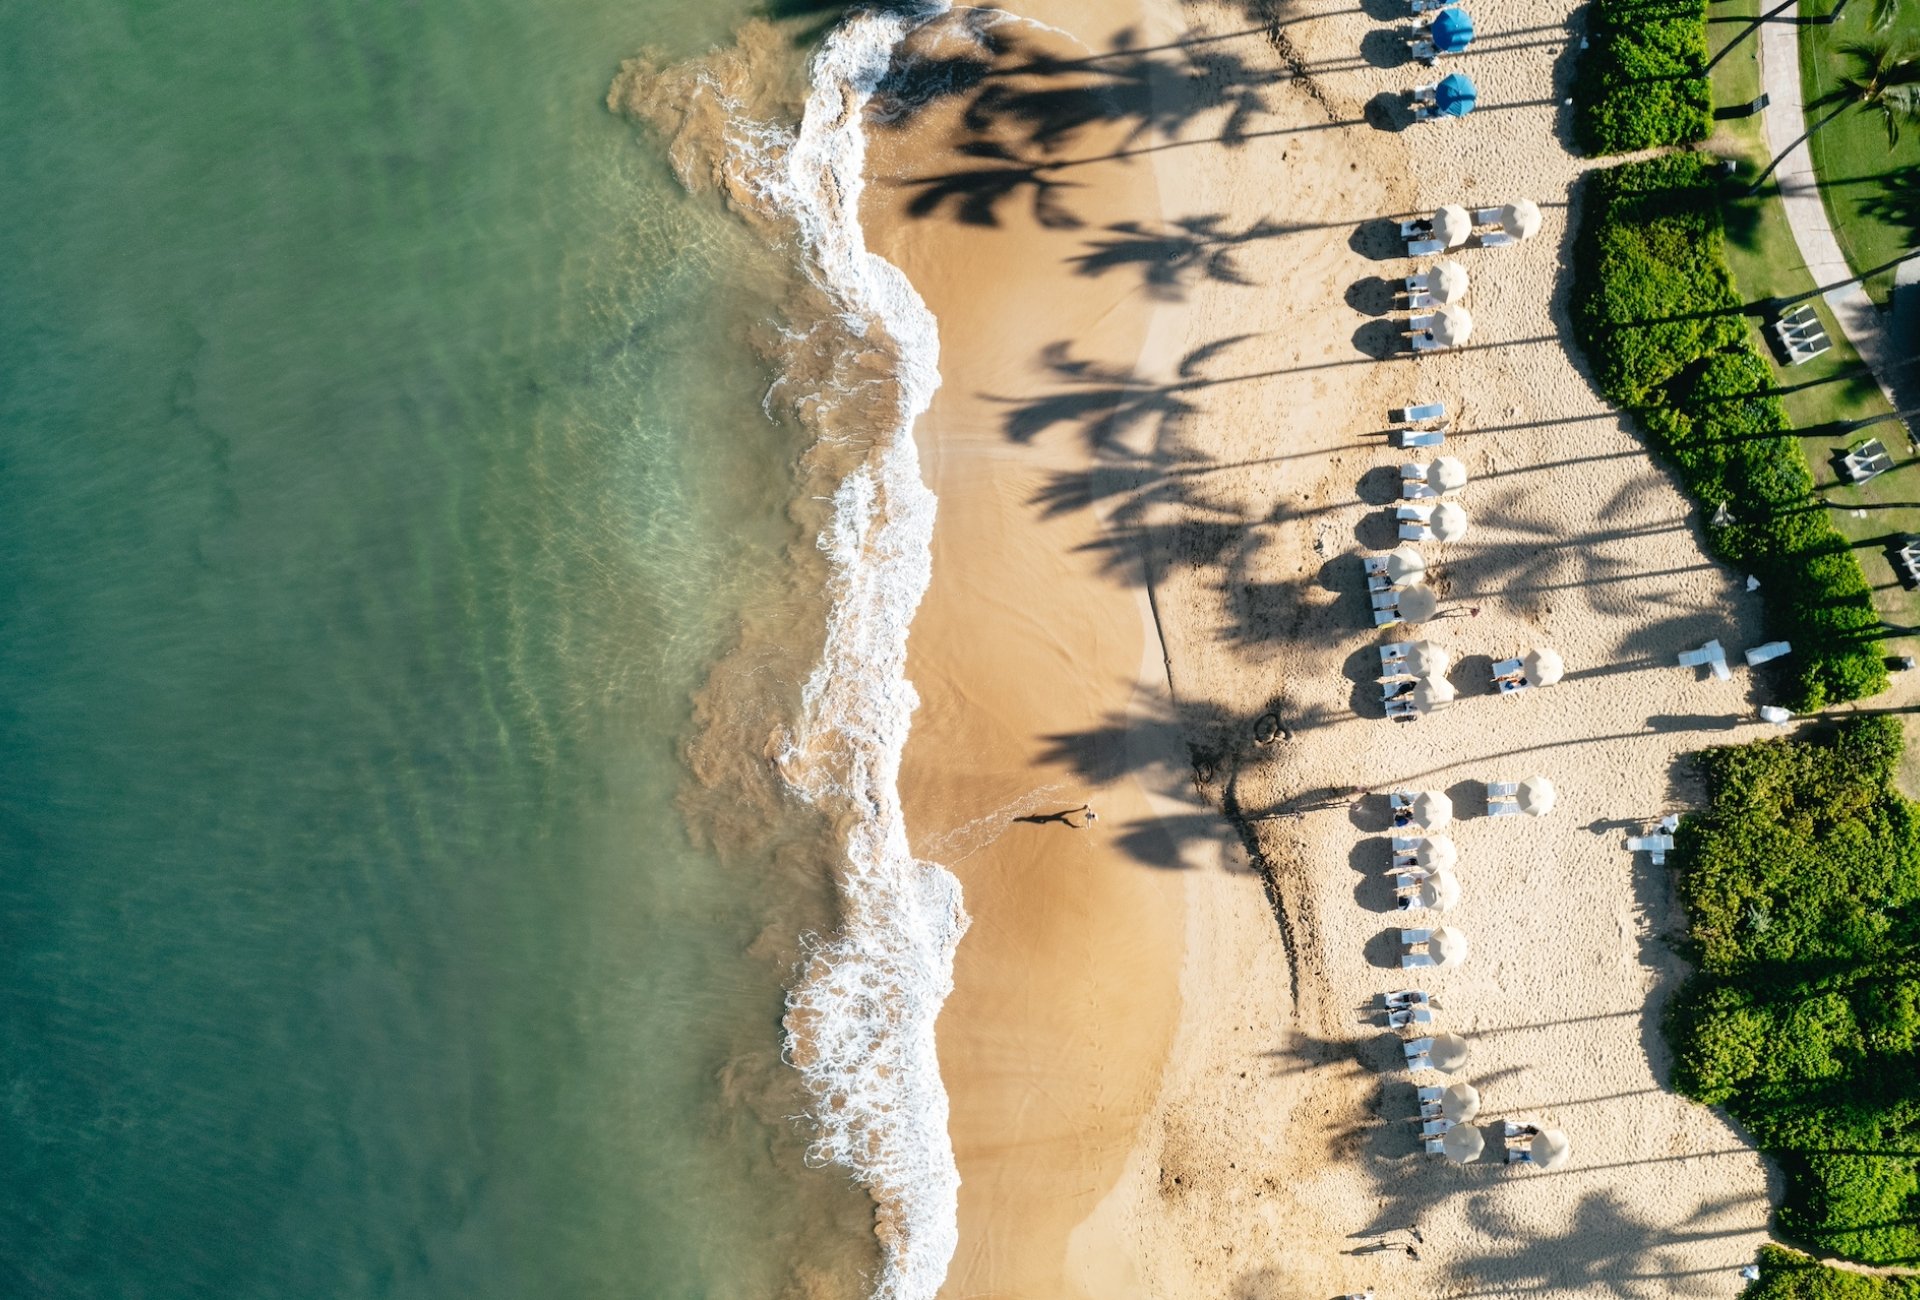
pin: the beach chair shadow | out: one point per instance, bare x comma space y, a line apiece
1473, 675
1376, 295
1380, 340
1390, 110
1470, 796
1378, 530
1371, 815
1386, 47
1378, 240
1384, 949
1380, 486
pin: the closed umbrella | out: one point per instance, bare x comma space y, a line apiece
1452, 225
1449, 522
1463, 1144
1452, 325
1549, 1148
1406, 568
1449, 1051
1536, 796
1460, 1102
1432, 693
1447, 474
1449, 948
1448, 281
1436, 853
1439, 892
1522, 219
1544, 667
1432, 810
1418, 604
1452, 31
1425, 659
1456, 94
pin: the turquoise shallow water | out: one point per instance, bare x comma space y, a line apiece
383, 467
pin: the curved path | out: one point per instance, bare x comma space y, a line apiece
1864, 324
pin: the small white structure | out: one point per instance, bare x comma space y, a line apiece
1771, 650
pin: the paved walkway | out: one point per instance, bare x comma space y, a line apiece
1864, 324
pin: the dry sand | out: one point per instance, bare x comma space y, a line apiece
1166, 379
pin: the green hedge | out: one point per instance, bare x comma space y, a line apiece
1642, 81
1658, 316
1789, 1275
1802, 884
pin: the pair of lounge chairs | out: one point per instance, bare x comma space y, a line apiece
1417, 1050
1801, 335
1410, 940
1655, 846
1393, 656
1867, 461
1414, 485
1503, 798
1906, 561
1711, 655
1414, 523
1425, 411
1408, 1007
1509, 676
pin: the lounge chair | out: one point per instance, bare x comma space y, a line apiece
1429, 1094
1405, 998
1508, 668
1489, 216
1394, 690
1423, 51
1411, 937
1416, 490
1907, 561
1379, 582
1416, 533
1411, 960
1419, 323
1519, 1156
1409, 880
1386, 617
1711, 655
1417, 1046
1513, 1128
1801, 352
1435, 1147
1419, 301
1415, 283
1415, 414
1424, 342
1409, 1016
1868, 460
1435, 1127
1497, 239
1428, 6
1424, 247
1417, 1063
1393, 657
1388, 599
1512, 685
1642, 843
1403, 711
1761, 654
1503, 808
1422, 437
1406, 843
1503, 789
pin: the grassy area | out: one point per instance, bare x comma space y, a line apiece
1823, 396
1789, 1275
1872, 192
1801, 879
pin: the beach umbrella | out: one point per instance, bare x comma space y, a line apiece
1447, 282
1452, 225
1447, 474
1536, 796
1549, 1148
1432, 810
1449, 1051
1544, 667
1456, 95
1425, 659
1406, 568
1452, 31
1460, 1102
1463, 1144
1449, 948
1418, 604
1452, 325
1439, 892
1522, 219
1432, 693
1436, 853
1449, 522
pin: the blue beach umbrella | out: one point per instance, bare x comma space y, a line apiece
1456, 95
1452, 31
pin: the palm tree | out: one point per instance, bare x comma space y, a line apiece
1886, 80
1884, 12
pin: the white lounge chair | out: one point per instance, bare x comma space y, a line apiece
1418, 228
1416, 533
1421, 513
1405, 843
1385, 617
1428, 411
1497, 239
1510, 686
1417, 1063
1399, 799
1388, 599
1435, 1147
1424, 342
1425, 53
1425, 247
1411, 960
1411, 937
1405, 998
1409, 1016
1430, 1094
1771, 650
1416, 283
1379, 582
1420, 323
1393, 659
1422, 437
1508, 667
1417, 1046
1435, 1127
1503, 808
1503, 789
1409, 879
1640, 843
1416, 490
1519, 1156
1489, 216
1425, 94
1403, 711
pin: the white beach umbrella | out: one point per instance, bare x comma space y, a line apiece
1536, 796
1433, 693
1452, 225
1436, 853
1432, 810
1543, 666
1463, 1144
1447, 282
1439, 892
1406, 567
1522, 219
1418, 604
1447, 474
1549, 1148
1449, 1051
1449, 948
1452, 325
1460, 1102
1448, 521
1425, 659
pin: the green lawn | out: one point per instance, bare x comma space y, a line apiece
1872, 193
1830, 390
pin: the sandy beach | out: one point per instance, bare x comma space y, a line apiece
1164, 277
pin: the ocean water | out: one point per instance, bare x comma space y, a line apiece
458, 569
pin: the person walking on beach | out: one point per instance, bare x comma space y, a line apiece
1064, 817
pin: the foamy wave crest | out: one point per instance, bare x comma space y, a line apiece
860, 1023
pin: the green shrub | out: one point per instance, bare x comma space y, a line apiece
1658, 316
1789, 1275
1802, 878
1642, 81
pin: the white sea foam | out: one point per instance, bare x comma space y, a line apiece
861, 1019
